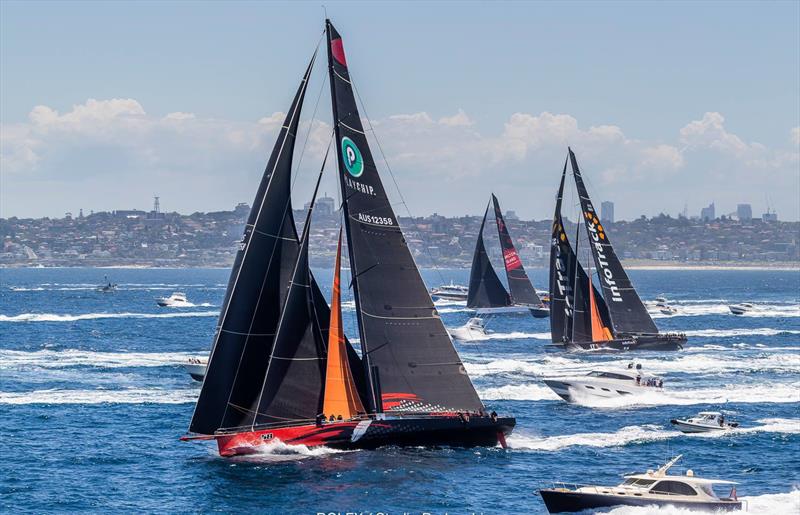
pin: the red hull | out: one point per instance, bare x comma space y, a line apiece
369, 434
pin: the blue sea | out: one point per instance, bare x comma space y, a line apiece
93, 399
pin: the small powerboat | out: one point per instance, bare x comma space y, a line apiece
450, 292
649, 489
196, 367
704, 422
604, 384
740, 309
664, 307
474, 329
107, 287
176, 300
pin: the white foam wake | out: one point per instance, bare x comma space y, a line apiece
638, 434
516, 335
73, 358
771, 504
52, 317
694, 363
277, 451
126, 396
774, 393
732, 333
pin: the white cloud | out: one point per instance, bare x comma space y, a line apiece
445, 164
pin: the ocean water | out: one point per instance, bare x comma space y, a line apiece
93, 400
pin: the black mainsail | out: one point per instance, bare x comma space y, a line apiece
627, 312
410, 360
485, 288
522, 291
256, 291
569, 284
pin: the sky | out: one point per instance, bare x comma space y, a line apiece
667, 104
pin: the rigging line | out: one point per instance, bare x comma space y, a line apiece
394, 180
224, 315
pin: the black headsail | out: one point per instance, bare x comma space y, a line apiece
628, 314
485, 288
256, 291
295, 378
522, 291
409, 356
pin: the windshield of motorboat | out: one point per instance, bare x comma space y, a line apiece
609, 375
632, 481
673, 487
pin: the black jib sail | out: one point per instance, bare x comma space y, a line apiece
295, 377
628, 314
485, 288
256, 291
522, 291
410, 360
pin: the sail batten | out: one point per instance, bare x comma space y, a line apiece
411, 365
627, 312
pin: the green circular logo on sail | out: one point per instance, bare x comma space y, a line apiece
352, 157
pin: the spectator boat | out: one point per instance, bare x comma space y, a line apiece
704, 422
604, 384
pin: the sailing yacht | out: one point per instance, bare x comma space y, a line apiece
581, 318
487, 295
281, 367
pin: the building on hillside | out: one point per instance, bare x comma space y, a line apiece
607, 212
708, 214
744, 212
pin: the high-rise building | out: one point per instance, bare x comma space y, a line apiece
607, 212
511, 215
708, 213
769, 216
744, 212
326, 205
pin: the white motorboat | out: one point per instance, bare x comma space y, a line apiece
704, 422
474, 329
740, 309
196, 367
176, 300
648, 489
450, 292
604, 384
667, 310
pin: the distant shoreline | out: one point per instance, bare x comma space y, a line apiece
635, 264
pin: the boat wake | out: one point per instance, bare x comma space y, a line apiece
76, 358
100, 396
516, 335
640, 434
188, 304
775, 504
52, 317
732, 333
762, 394
704, 309
277, 451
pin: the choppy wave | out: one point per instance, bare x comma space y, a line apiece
772, 504
639, 434
75, 358
125, 396
52, 317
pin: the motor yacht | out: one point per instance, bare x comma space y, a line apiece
450, 292
196, 367
474, 329
740, 309
604, 384
704, 422
176, 300
649, 489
